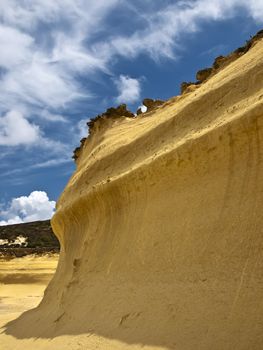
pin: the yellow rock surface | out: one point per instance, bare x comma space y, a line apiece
161, 229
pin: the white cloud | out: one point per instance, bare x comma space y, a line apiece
256, 9
82, 128
51, 163
44, 50
28, 14
15, 47
129, 89
53, 117
46, 46
163, 31
36, 206
12, 221
74, 57
38, 84
46, 65
43, 70
16, 130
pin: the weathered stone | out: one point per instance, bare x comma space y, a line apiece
152, 104
203, 74
218, 61
184, 86
120, 111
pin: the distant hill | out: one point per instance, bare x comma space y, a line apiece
29, 238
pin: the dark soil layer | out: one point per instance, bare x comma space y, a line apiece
39, 235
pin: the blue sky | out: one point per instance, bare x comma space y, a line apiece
65, 61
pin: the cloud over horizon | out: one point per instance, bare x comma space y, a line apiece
34, 207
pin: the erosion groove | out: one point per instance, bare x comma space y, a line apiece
161, 228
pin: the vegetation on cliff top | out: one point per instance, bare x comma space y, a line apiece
186, 87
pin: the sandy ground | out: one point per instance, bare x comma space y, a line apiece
22, 284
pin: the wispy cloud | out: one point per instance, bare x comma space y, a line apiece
52, 117
51, 162
46, 46
129, 89
52, 55
16, 47
82, 128
16, 130
42, 70
43, 48
164, 29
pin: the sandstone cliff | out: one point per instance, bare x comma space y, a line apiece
161, 228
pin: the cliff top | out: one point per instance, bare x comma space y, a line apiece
202, 76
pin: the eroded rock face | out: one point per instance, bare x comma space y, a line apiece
111, 114
120, 111
186, 87
219, 63
204, 74
152, 104
161, 228
76, 152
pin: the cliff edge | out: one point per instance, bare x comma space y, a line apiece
160, 228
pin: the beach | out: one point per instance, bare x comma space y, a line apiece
22, 283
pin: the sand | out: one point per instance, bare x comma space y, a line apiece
161, 229
22, 283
